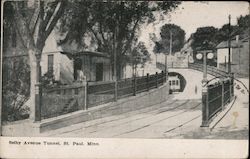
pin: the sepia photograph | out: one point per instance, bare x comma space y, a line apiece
124, 70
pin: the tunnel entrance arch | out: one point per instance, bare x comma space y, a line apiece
182, 79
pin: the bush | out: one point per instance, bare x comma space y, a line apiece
16, 89
48, 81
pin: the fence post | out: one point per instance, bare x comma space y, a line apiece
85, 95
134, 84
38, 101
156, 79
162, 76
222, 94
115, 91
147, 81
232, 85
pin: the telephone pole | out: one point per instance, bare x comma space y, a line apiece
229, 44
170, 47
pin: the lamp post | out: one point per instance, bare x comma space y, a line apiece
204, 90
205, 107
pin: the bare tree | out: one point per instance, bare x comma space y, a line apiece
34, 23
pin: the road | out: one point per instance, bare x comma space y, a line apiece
179, 117
164, 120
174, 118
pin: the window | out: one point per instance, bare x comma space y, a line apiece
177, 82
174, 82
50, 63
170, 83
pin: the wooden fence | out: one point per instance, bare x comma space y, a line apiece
100, 93
62, 100
80, 96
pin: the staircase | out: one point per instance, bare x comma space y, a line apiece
70, 106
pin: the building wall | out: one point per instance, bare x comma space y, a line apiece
222, 53
107, 69
56, 63
89, 67
66, 70
240, 64
239, 59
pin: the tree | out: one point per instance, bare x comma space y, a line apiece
178, 39
223, 33
243, 21
204, 34
205, 39
139, 54
113, 26
34, 24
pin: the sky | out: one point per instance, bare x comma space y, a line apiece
192, 15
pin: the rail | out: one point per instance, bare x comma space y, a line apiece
210, 70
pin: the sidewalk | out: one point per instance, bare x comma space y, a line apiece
233, 125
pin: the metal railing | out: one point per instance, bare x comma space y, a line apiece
215, 96
210, 70
218, 97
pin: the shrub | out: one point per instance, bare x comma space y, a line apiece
16, 89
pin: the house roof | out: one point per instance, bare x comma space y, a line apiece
88, 53
243, 36
224, 44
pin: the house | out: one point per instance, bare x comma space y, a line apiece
187, 49
239, 55
65, 63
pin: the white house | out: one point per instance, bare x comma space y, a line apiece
239, 54
64, 63
223, 53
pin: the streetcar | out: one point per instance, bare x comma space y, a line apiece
174, 84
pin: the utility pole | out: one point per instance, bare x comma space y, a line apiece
229, 44
238, 47
170, 47
170, 51
230, 74
166, 62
